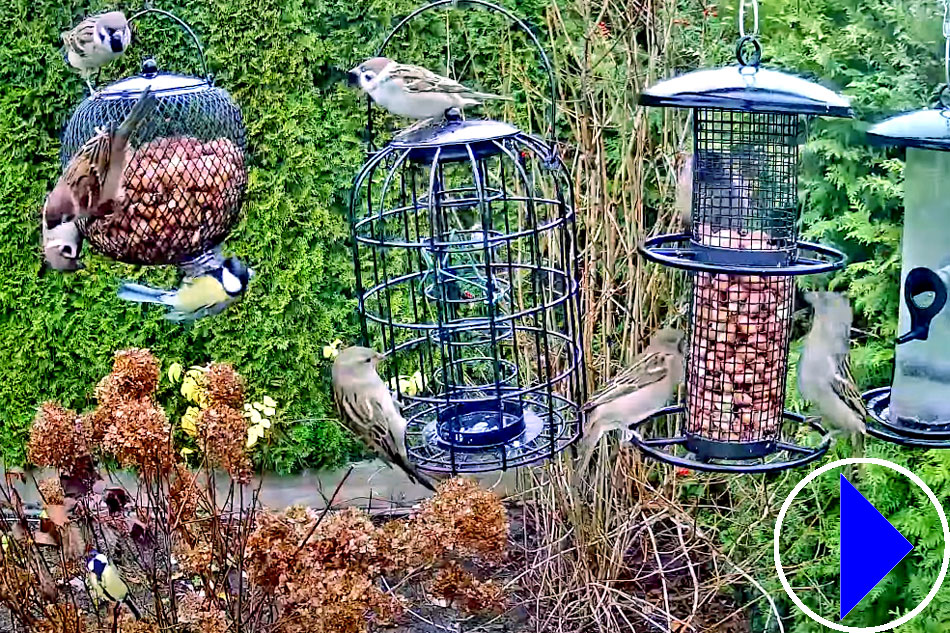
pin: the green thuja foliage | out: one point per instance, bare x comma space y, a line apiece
285, 63
888, 57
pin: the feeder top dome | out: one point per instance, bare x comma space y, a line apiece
455, 139
162, 85
925, 129
747, 89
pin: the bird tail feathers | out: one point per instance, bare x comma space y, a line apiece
134, 609
140, 112
143, 294
487, 96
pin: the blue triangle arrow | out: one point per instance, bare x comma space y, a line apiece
870, 547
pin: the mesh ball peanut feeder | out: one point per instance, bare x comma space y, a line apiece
464, 245
915, 409
187, 174
741, 252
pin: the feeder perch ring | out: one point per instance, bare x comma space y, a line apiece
748, 458
883, 428
679, 251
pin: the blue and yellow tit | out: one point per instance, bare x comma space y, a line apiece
106, 583
199, 295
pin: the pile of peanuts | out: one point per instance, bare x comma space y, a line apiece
184, 195
738, 356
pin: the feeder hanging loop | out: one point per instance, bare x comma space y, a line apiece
755, 20
748, 50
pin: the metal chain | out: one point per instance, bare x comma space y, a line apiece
755, 19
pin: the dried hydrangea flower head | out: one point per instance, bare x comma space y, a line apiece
59, 438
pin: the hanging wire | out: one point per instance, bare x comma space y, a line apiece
944, 98
748, 50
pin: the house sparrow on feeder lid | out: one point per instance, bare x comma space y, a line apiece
96, 42
413, 91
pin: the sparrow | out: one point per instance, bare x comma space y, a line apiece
413, 91
824, 368
684, 188
92, 183
105, 582
96, 42
367, 408
203, 291
637, 392
62, 246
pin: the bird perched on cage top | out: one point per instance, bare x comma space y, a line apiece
637, 392
367, 408
824, 368
105, 582
211, 283
92, 184
97, 41
413, 91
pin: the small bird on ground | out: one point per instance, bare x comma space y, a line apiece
97, 41
92, 183
62, 246
367, 408
413, 91
824, 368
204, 291
637, 392
105, 582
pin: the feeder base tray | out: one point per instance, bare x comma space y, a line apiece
898, 431
484, 434
690, 451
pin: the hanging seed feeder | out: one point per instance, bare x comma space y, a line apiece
741, 253
464, 244
915, 409
186, 175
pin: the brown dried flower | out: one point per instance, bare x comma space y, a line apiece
184, 495
475, 518
195, 560
345, 539
61, 618
135, 373
225, 387
223, 433
139, 436
463, 590
52, 491
270, 550
128, 624
201, 615
58, 438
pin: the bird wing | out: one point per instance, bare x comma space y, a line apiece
648, 368
421, 80
842, 383
80, 37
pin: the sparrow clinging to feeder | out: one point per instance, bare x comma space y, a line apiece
824, 369
206, 289
637, 392
96, 42
367, 408
92, 184
413, 91
684, 188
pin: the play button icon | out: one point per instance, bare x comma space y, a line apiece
870, 547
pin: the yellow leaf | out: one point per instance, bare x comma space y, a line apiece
189, 421
269, 411
254, 433
265, 423
185, 451
259, 406
174, 372
269, 402
255, 417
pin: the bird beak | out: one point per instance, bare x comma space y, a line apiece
380, 357
353, 77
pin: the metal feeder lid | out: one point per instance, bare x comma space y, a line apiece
747, 89
925, 129
454, 139
162, 84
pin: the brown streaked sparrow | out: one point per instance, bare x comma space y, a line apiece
97, 41
367, 408
92, 184
413, 91
637, 392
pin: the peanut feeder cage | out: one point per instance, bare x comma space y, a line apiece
915, 409
186, 176
741, 253
464, 245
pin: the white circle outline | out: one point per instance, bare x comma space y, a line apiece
907, 616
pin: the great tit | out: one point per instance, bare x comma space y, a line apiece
106, 583
198, 296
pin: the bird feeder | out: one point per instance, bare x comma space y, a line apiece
465, 250
186, 176
741, 252
915, 409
